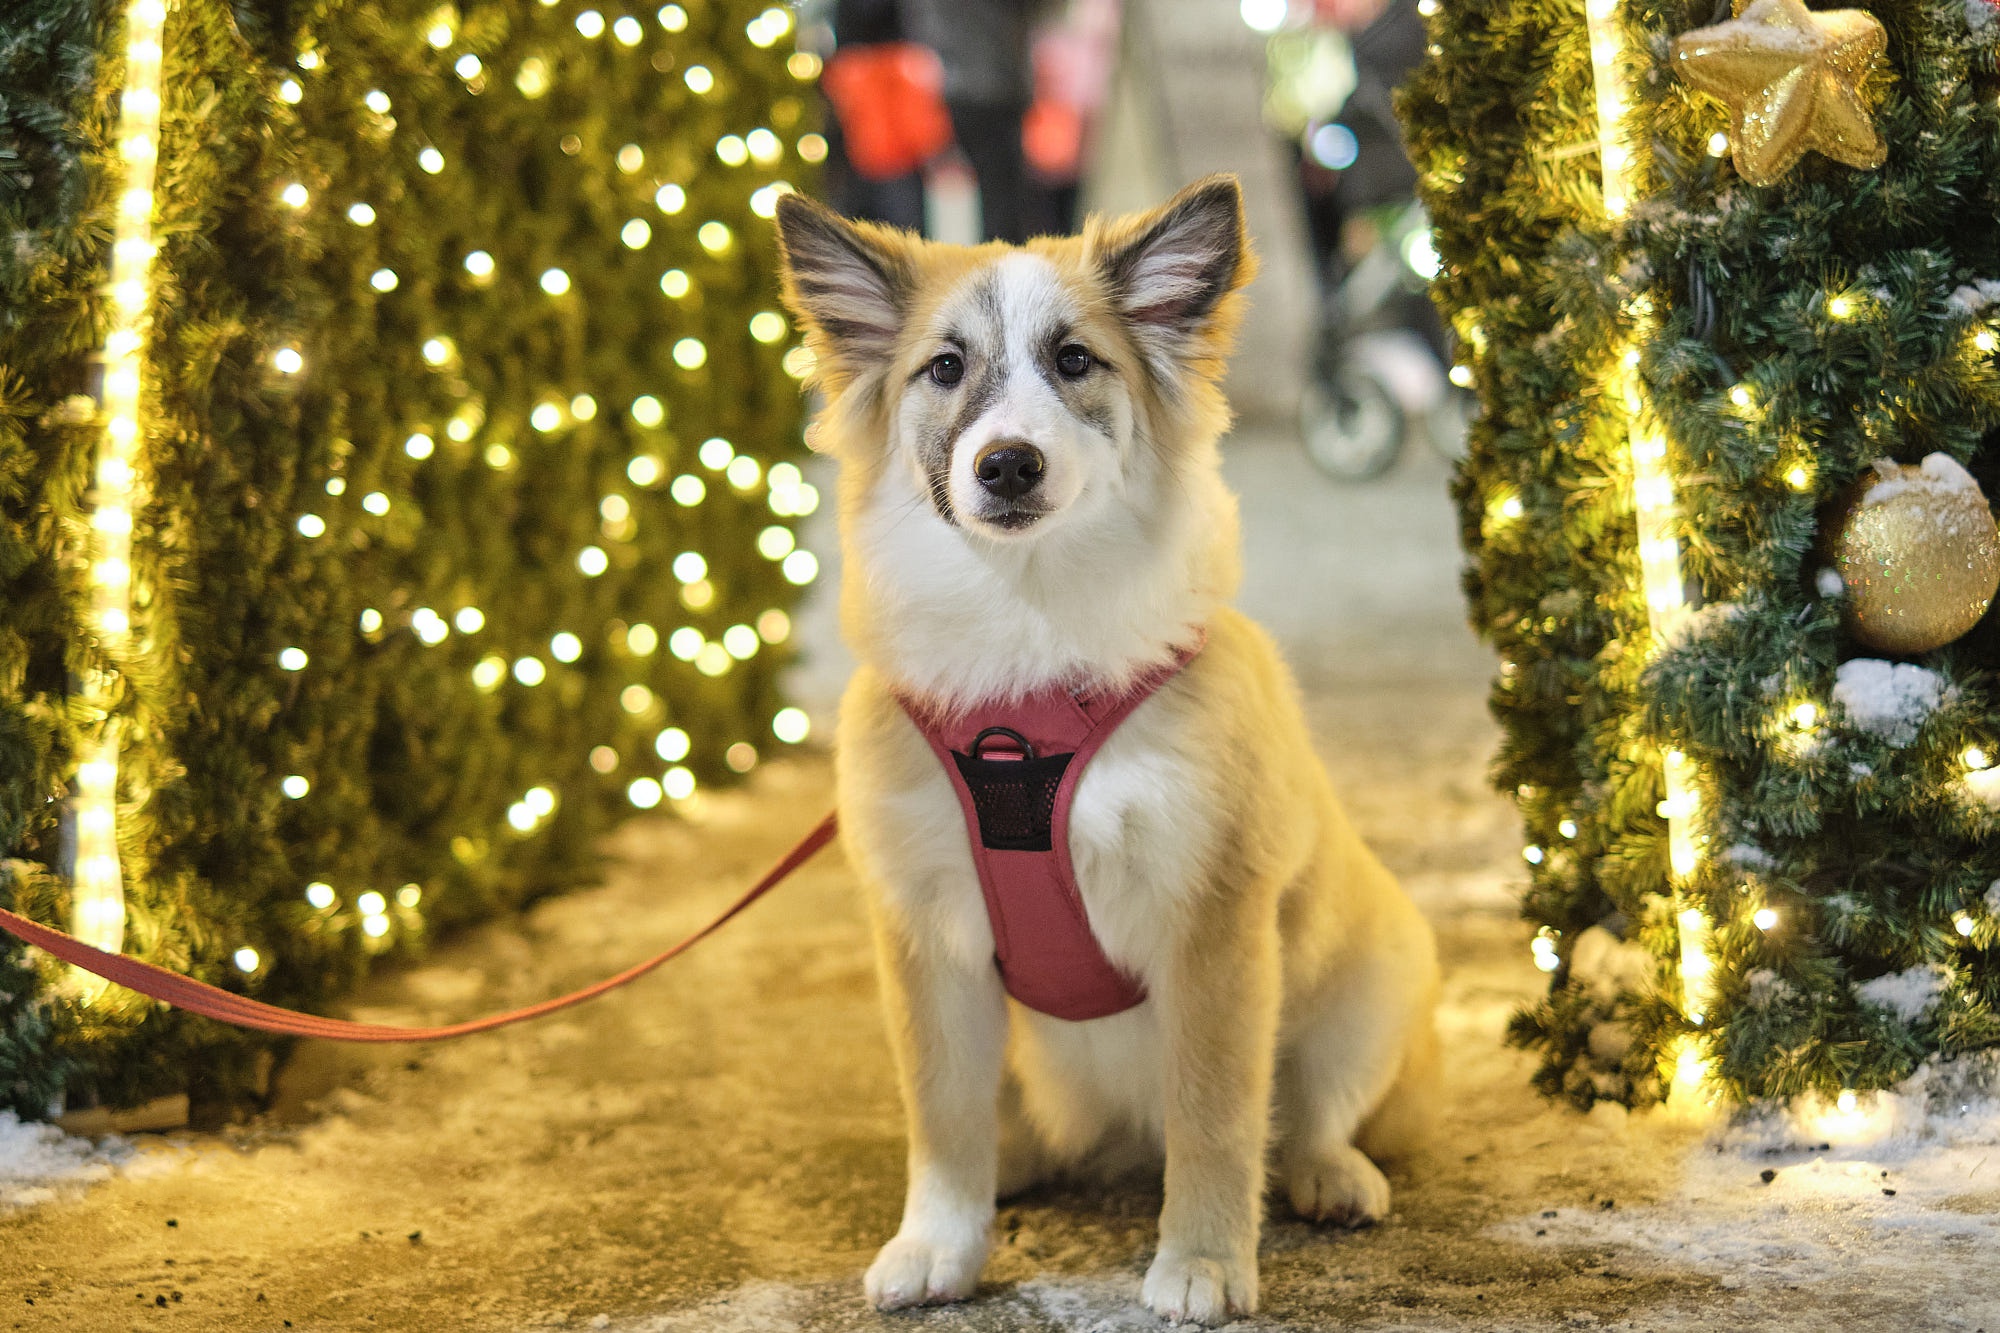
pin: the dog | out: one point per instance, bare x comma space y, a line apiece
1288, 983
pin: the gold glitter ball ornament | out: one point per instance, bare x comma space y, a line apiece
1792, 80
1920, 555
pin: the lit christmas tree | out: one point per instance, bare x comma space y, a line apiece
1727, 287
414, 499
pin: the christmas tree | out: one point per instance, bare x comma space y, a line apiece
1726, 285
397, 428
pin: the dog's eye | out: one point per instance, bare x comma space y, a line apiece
1073, 361
948, 369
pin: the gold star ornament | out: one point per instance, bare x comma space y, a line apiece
1792, 82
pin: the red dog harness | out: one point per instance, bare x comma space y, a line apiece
1015, 767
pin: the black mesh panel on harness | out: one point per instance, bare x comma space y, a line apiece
1015, 797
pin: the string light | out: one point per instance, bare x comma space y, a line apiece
554, 281
644, 469
715, 237
530, 671
295, 786
641, 640
741, 642
648, 412
673, 18
800, 567
670, 199
675, 283
627, 31
774, 626
1652, 485
765, 147
1962, 923
590, 23
732, 150
741, 757
1764, 918
791, 725
294, 195
636, 234
97, 897
690, 354
635, 699
592, 561
672, 745
320, 895
685, 643
645, 793
678, 783
603, 759
812, 148
688, 490
469, 620
699, 80
311, 525
361, 215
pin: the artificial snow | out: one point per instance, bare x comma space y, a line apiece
1749, 856
1908, 994
1975, 296
1889, 700
1828, 580
36, 1161
1937, 474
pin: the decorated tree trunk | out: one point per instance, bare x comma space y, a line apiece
1726, 285
394, 491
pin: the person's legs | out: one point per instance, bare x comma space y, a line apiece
989, 133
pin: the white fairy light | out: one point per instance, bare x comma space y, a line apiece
688, 490
376, 503
468, 67
320, 895
641, 640
377, 101
685, 643
690, 354
293, 659
800, 567
592, 561
311, 525
554, 281
767, 326
732, 150
644, 469
741, 642
672, 745
590, 23
690, 567
765, 147
743, 472
630, 158
678, 783
383, 280
775, 542
699, 80
361, 214
670, 199
635, 699
246, 959
431, 160
648, 412
295, 786
479, 264
583, 407
644, 793
628, 31
774, 626
530, 671
565, 647
715, 237
676, 283
294, 195
673, 18
791, 725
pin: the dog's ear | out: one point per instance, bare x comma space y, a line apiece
1171, 271
847, 283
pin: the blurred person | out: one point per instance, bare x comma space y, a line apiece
988, 85
873, 81
1074, 53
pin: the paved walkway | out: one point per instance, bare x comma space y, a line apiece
719, 1150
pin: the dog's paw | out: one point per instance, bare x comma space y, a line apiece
1199, 1289
911, 1270
1341, 1187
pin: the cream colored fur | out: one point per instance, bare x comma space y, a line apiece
1290, 982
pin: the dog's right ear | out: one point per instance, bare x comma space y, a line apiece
846, 282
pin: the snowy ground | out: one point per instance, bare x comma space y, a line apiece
719, 1149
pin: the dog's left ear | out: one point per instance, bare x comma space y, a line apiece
1172, 270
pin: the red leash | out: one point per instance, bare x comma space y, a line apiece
201, 998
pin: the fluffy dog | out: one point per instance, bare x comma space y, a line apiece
1289, 982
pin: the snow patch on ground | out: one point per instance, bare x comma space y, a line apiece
1901, 1181
1887, 699
36, 1161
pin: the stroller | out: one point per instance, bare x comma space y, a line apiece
1377, 370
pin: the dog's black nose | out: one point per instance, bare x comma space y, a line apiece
1009, 469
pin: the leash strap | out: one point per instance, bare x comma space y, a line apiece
240, 1010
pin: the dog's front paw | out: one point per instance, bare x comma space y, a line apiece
1200, 1289
1341, 1187
911, 1270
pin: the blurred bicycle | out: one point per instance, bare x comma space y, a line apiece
1377, 368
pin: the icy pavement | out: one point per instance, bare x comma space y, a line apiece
719, 1149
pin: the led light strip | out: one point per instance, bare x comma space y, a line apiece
1653, 499
97, 911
